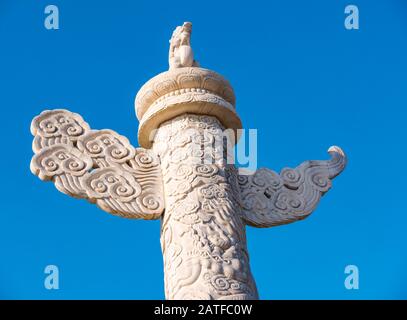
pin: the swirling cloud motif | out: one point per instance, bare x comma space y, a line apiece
269, 199
187, 212
144, 159
206, 170
58, 159
63, 165
57, 126
108, 145
111, 182
98, 165
224, 285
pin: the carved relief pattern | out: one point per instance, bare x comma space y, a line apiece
270, 199
203, 236
98, 165
181, 81
207, 202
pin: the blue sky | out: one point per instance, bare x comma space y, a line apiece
301, 79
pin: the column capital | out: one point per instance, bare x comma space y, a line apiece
184, 90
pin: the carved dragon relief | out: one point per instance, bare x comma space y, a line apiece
184, 179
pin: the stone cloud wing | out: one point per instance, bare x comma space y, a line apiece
98, 165
270, 199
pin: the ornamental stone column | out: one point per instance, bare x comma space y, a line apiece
182, 173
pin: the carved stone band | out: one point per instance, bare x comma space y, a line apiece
180, 91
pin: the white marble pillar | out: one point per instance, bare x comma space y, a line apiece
181, 175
